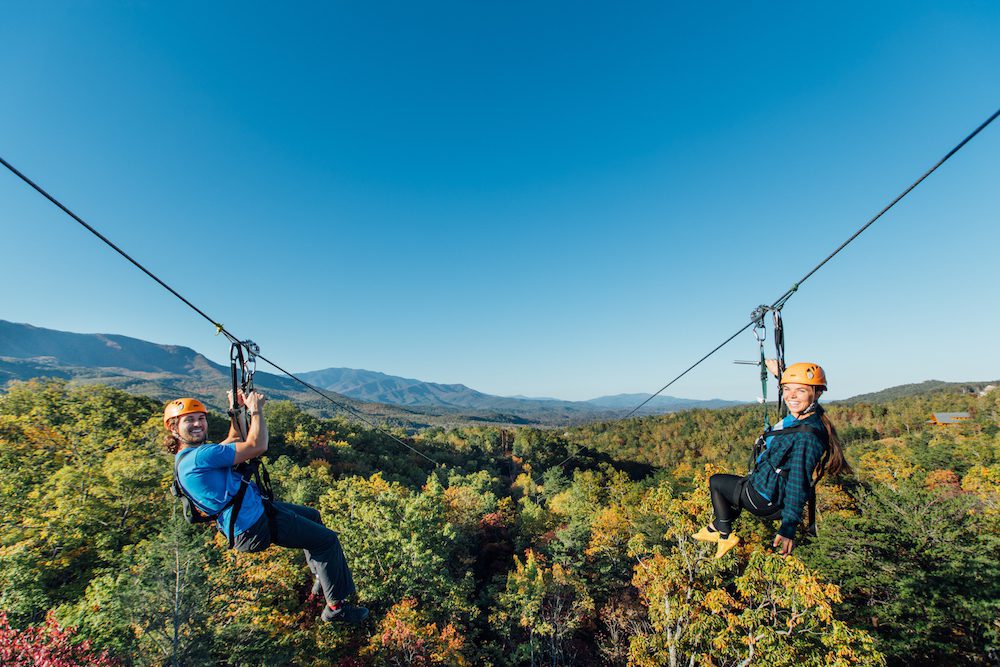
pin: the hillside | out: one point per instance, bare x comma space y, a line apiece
134, 365
924, 388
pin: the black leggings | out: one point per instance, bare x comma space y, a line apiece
731, 495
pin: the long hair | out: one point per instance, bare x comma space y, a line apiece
836, 464
170, 441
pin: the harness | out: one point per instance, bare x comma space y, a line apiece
760, 333
781, 471
194, 512
242, 369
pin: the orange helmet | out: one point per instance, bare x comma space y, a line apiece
804, 373
182, 406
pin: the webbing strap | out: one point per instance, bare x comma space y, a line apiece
238, 413
820, 465
205, 516
779, 355
242, 370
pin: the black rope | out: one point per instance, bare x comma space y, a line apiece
121, 252
795, 286
360, 416
780, 302
218, 327
689, 368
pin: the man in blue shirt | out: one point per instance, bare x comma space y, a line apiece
207, 476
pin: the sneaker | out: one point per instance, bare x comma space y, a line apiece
726, 545
706, 534
345, 613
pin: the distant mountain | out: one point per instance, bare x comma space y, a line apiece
167, 371
381, 388
137, 366
658, 405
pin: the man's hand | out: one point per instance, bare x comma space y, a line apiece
239, 399
256, 440
254, 401
786, 545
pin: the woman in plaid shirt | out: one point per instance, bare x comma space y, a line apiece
781, 482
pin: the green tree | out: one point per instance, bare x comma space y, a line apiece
918, 567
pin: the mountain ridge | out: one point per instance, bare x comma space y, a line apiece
165, 371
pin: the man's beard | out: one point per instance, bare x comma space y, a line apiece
193, 442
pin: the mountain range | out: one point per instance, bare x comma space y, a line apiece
166, 371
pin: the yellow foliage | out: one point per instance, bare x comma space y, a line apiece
462, 506
832, 500
888, 463
611, 529
984, 482
259, 589
561, 504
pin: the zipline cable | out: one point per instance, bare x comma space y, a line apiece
780, 302
218, 327
116, 248
787, 295
689, 368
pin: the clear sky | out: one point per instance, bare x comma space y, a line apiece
562, 199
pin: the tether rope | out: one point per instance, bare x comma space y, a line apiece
218, 327
780, 302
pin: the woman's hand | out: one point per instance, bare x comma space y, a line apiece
772, 366
783, 544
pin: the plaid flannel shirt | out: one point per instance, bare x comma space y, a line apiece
798, 453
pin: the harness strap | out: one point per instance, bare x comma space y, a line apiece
744, 489
195, 513
238, 413
782, 472
779, 355
242, 370
263, 481
237, 502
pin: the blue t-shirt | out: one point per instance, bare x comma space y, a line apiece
206, 473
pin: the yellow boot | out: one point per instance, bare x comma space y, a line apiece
706, 535
725, 545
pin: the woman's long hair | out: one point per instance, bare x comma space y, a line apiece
836, 464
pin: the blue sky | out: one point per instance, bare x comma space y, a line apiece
549, 199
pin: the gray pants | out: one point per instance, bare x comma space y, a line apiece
300, 527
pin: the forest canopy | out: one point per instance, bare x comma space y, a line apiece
520, 547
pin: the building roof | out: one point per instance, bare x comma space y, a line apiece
950, 417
